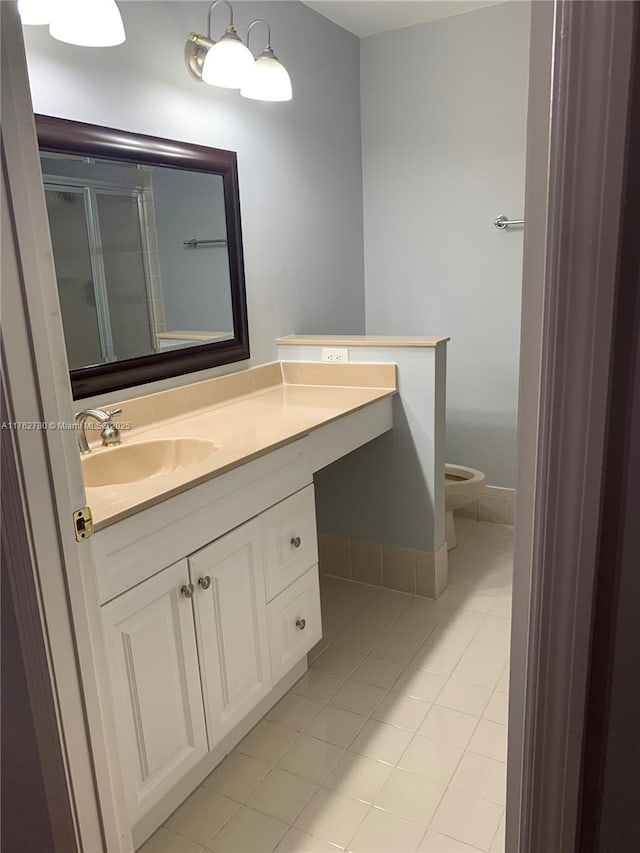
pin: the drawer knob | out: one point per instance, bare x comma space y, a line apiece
301, 624
205, 582
188, 590
296, 541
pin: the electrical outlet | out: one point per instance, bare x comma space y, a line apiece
335, 354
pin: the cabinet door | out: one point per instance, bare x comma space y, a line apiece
157, 696
231, 624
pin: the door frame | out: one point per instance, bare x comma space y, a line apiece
54, 594
609, 804
581, 61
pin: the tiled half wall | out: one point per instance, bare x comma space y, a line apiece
389, 566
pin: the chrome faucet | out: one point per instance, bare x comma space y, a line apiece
110, 434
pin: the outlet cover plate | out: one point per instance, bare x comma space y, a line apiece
335, 354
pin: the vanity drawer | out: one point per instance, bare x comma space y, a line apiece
295, 623
291, 540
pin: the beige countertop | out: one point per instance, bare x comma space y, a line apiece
246, 415
359, 341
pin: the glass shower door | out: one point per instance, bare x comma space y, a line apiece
68, 223
123, 259
99, 253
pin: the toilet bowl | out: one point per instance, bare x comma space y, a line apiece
462, 485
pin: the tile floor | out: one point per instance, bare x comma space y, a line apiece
394, 740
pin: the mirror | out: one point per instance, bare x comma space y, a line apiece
147, 248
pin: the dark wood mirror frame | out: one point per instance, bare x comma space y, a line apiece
62, 136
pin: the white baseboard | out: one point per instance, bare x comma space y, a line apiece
497, 504
389, 566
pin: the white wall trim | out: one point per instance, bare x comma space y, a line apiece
497, 505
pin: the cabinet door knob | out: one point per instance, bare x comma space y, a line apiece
188, 590
301, 624
296, 541
204, 582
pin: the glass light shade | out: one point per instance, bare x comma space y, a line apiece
35, 12
268, 81
88, 23
227, 63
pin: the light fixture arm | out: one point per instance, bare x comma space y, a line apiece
269, 80
210, 15
197, 45
255, 23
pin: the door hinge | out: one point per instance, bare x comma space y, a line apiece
82, 523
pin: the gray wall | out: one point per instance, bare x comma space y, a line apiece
443, 140
299, 163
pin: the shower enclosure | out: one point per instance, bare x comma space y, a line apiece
98, 236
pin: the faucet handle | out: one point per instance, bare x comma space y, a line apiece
110, 435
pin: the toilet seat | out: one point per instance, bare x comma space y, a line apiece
460, 474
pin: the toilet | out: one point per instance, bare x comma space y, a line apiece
462, 485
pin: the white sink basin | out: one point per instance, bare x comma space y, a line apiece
129, 463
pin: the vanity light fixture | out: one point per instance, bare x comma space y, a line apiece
268, 79
88, 23
229, 62
224, 63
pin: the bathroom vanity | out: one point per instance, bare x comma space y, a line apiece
207, 571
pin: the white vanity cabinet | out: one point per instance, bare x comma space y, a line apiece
157, 699
200, 649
